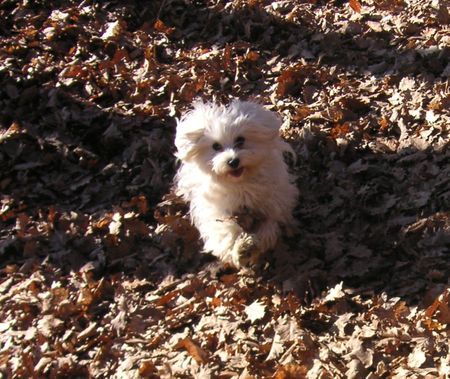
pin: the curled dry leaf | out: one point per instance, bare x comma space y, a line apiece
194, 350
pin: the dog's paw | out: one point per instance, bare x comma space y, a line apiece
245, 250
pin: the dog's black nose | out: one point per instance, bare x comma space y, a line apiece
234, 162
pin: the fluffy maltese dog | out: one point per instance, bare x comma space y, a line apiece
235, 178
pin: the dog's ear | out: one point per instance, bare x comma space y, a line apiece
263, 123
190, 129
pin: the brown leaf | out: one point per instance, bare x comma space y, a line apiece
163, 28
147, 369
167, 298
340, 130
229, 279
188, 92
140, 202
135, 227
291, 371
440, 309
103, 223
384, 124
355, 5
226, 58
288, 82
301, 113
195, 351
75, 71
120, 56
252, 56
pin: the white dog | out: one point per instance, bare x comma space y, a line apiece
235, 178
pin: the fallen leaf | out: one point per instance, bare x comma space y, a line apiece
113, 29
417, 358
276, 349
355, 5
194, 350
291, 371
255, 311
335, 293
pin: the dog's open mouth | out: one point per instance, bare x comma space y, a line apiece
236, 173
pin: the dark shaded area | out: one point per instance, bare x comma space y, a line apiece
377, 221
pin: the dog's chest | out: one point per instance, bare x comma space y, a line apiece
252, 198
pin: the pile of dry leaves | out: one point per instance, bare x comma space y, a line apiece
100, 270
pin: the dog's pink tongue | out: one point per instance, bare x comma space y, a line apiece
237, 173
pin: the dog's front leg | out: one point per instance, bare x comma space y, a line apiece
226, 240
245, 250
249, 246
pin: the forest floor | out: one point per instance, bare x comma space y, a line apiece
101, 273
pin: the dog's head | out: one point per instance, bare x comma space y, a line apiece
229, 142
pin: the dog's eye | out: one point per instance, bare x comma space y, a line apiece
217, 146
239, 142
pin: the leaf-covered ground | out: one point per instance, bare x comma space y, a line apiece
100, 270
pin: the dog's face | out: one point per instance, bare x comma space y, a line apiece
230, 142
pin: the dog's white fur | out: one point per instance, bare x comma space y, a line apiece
260, 185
